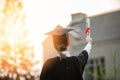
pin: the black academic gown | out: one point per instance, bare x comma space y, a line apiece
70, 68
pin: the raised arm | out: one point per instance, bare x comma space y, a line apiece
88, 47
83, 56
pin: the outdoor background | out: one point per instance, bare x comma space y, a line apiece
24, 47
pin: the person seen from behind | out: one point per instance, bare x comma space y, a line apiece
65, 66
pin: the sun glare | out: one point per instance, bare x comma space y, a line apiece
20, 50
37, 25
40, 19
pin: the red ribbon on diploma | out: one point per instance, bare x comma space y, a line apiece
87, 30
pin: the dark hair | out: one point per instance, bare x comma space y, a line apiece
60, 42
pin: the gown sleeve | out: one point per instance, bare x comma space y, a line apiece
82, 59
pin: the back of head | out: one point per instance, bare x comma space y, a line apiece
60, 38
60, 42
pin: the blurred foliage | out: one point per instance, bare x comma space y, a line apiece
95, 69
17, 60
97, 72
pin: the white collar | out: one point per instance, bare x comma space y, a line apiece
66, 53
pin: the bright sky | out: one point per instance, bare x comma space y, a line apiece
49, 13
44, 15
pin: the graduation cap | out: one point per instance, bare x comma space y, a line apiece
59, 30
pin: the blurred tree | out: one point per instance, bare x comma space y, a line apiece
15, 44
13, 31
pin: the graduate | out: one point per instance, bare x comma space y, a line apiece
65, 66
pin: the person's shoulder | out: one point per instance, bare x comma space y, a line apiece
52, 60
82, 53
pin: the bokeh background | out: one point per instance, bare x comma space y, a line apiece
24, 47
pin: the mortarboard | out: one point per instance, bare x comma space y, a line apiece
59, 30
